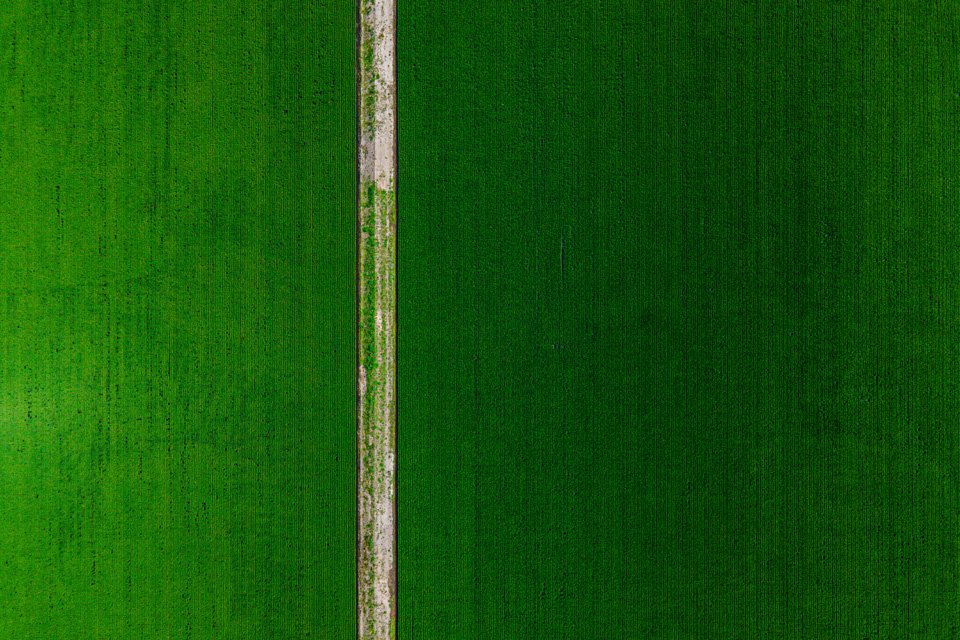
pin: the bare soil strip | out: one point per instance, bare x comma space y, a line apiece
376, 428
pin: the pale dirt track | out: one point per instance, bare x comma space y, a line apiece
376, 411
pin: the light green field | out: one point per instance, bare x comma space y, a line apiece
177, 320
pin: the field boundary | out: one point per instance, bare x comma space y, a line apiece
376, 339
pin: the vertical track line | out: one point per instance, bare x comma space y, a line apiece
376, 282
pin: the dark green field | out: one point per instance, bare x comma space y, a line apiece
177, 320
679, 320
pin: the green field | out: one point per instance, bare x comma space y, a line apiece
177, 320
678, 320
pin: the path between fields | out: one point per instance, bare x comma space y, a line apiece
376, 427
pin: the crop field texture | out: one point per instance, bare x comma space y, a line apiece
177, 319
679, 307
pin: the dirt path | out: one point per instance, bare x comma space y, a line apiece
376, 429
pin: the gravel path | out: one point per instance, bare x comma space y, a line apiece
376, 429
